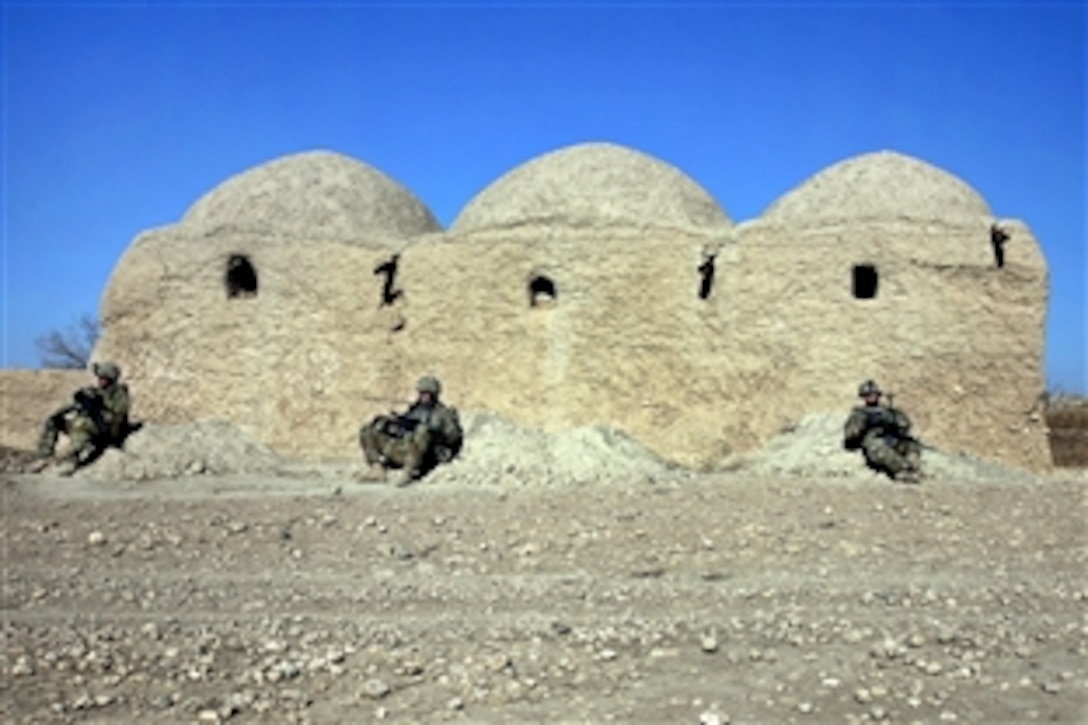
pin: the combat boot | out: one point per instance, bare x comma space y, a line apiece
41, 464
908, 476
404, 476
67, 467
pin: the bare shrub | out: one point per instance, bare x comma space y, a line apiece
1067, 418
69, 349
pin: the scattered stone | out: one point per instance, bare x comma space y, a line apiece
210, 614
375, 689
22, 667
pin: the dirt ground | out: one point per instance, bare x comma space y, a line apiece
302, 595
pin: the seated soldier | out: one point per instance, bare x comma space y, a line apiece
883, 435
97, 418
427, 434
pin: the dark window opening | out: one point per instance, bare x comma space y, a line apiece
706, 282
241, 277
998, 237
389, 269
865, 281
541, 291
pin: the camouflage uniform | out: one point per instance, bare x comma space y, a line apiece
97, 418
427, 434
883, 435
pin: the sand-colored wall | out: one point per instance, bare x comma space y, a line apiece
957, 339
290, 365
628, 341
303, 364
29, 396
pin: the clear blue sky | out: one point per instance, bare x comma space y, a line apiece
117, 117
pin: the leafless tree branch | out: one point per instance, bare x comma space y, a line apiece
70, 349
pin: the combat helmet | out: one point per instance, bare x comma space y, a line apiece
429, 384
868, 388
107, 370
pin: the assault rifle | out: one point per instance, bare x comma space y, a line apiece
399, 426
90, 404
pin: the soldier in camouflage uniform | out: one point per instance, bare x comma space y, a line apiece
427, 434
883, 435
97, 418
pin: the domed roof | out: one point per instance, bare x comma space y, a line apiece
883, 185
592, 185
315, 194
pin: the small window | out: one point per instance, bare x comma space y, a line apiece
865, 281
706, 277
541, 291
998, 238
241, 277
388, 270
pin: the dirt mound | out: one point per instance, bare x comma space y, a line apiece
497, 451
813, 447
186, 449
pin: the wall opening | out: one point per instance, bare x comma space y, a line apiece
389, 271
241, 279
998, 237
541, 291
706, 277
866, 281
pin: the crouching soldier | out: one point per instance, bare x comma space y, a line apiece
427, 434
883, 435
96, 418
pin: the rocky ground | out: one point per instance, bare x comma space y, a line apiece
656, 595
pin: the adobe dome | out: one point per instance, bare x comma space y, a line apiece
592, 185
315, 194
884, 185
